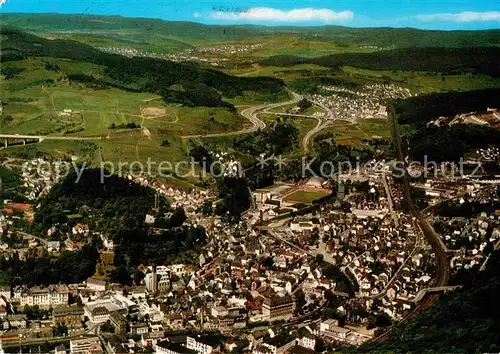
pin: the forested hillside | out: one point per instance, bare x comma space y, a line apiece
464, 321
446, 143
420, 110
194, 85
190, 32
116, 208
480, 60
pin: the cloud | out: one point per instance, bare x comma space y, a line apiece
195, 15
275, 15
466, 16
2, 2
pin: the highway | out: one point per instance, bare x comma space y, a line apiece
252, 112
251, 115
319, 127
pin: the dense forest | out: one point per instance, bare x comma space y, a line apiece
10, 185
420, 110
464, 321
42, 269
200, 86
450, 143
116, 207
446, 143
278, 138
327, 160
443, 60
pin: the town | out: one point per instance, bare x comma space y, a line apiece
280, 279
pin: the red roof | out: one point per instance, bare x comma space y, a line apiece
19, 206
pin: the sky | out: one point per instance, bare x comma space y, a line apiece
426, 14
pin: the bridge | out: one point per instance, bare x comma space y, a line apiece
28, 139
297, 115
437, 289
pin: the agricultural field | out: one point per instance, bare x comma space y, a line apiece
425, 82
293, 109
355, 134
416, 82
41, 109
304, 196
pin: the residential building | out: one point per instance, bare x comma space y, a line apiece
52, 295
202, 345
17, 321
85, 345
71, 316
278, 308
280, 343
167, 347
99, 314
118, 321
96, 284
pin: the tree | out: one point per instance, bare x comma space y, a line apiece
319, 346
304, 104
107, 327
60, 330
207, 208
138, 277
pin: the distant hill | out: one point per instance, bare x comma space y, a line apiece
477, 60
186, 83
190, 32
464, 321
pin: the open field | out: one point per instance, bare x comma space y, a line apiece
288, 109
417, 82
35, 106
355, 134
305, 196
285, 44
423, 82
285, 73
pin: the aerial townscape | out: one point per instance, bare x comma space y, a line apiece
259, 180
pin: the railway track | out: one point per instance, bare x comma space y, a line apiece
443, 269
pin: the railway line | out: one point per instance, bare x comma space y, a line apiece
432, 238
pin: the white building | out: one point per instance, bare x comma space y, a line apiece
199, 346
96, 284
45, 296
85, 345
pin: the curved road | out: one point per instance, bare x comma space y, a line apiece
320, 126
251, 115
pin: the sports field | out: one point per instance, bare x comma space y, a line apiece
305, 196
